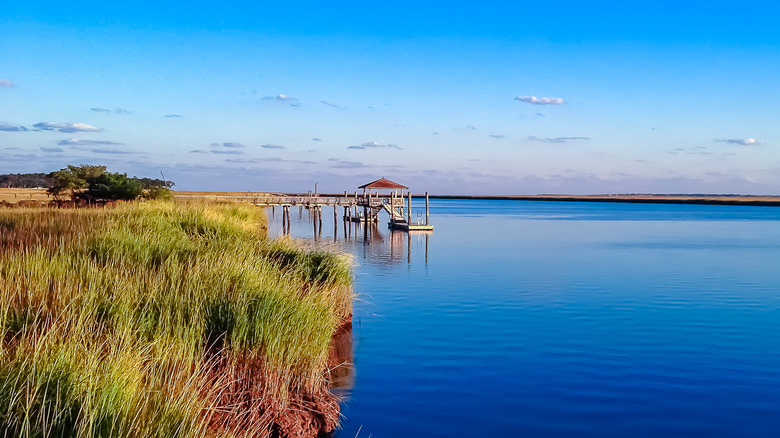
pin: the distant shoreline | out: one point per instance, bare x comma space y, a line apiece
15, 195
748, 200
766, 201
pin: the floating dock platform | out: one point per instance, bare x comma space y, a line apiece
406, 226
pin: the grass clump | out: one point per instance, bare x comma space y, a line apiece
163, 319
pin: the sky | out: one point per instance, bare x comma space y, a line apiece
490, 97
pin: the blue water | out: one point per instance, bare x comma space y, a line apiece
564, 319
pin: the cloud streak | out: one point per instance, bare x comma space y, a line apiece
11, 127
78, 142
540, 100
272, 146
229, 144
374, 145
66, 127
283, 98
349, 165
111, 151
556, 139
739, 141
5, 83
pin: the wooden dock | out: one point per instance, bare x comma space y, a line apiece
357, 207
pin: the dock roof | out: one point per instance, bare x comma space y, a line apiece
383, 183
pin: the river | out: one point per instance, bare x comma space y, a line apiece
522, 318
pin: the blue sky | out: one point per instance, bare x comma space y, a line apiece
449, 97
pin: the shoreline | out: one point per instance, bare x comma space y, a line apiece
16, 195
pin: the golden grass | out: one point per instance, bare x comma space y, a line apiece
162, 319
17, 195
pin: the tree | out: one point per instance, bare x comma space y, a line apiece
113, 187
93, 183
73, 178
24, 180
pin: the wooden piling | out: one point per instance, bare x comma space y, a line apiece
409, 213
426, 211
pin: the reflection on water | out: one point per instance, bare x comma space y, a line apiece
562, 319
341, 360
371, 242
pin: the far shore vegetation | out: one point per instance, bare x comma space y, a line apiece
163, 319
90, 184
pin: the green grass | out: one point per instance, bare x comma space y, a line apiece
160, 320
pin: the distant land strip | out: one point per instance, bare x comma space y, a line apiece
15, 195
758, 200
768, 201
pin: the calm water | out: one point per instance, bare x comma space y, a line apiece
565, 319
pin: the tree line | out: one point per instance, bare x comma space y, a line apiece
90, 183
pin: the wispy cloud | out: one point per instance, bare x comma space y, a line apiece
117, 110
283, 98
173, 115
698, 150
374, 145
471, 127
316, 139
740, 141
66, 127
228, 151
228, 144
79, 142
555, 139
51, 150
272, 146
540, 100
497, 136
269, 160
5, 83
199, 151
349, 165
11, 127
111, 151
329, 103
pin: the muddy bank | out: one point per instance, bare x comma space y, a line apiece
317, 415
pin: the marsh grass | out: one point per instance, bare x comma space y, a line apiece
162, 320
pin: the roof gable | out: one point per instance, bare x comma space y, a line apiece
383, 183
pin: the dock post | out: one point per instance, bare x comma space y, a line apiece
409, 241
409, 212
426, 209
314, 222
392, 208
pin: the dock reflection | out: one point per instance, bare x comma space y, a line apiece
372, 242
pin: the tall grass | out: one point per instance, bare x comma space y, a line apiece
163, 320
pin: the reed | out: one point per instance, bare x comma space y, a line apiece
162, 319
